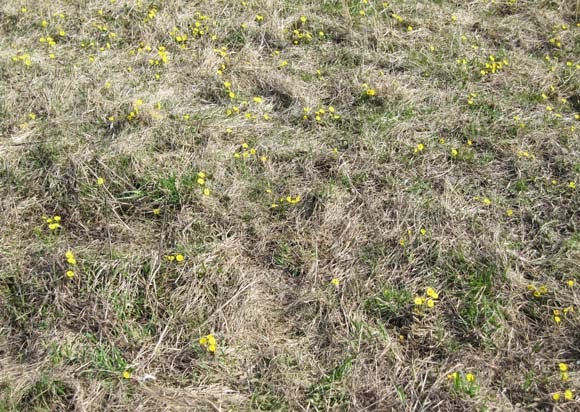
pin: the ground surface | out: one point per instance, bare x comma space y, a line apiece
289, 205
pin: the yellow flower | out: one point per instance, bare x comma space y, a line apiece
454, 152
70, 274
200, 181
543, 289
335, 282
423, 231
564, 376
572, 185
371, 92
257, 100
563, 367
179, 257
570, 283
419, 300
509, 212
568, 395
127, 375
452, 375
100, 181
556, 396
486, 201
430, 303
470, 377
156, 211
206, 192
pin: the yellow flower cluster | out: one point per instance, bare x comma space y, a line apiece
162, 56
208, 342
568, 394
471, 98
247, 151
300, 36
201, 26
48, 41
177, 257
301, 33
469, 377
369, 91
397, 17
320, 114
493, 65
201, 182
179, 37
25, 124
53, 222
24, 58
525, 154
558, 313
556, 41
135, 112
71, 260
151, 14
223, 53
428, 300
538, 292
465, 383
419, 148
244, 106
288, 200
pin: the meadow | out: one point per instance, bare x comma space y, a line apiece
333, 205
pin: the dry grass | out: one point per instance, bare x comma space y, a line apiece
491, 183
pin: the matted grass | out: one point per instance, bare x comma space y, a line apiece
289, 205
